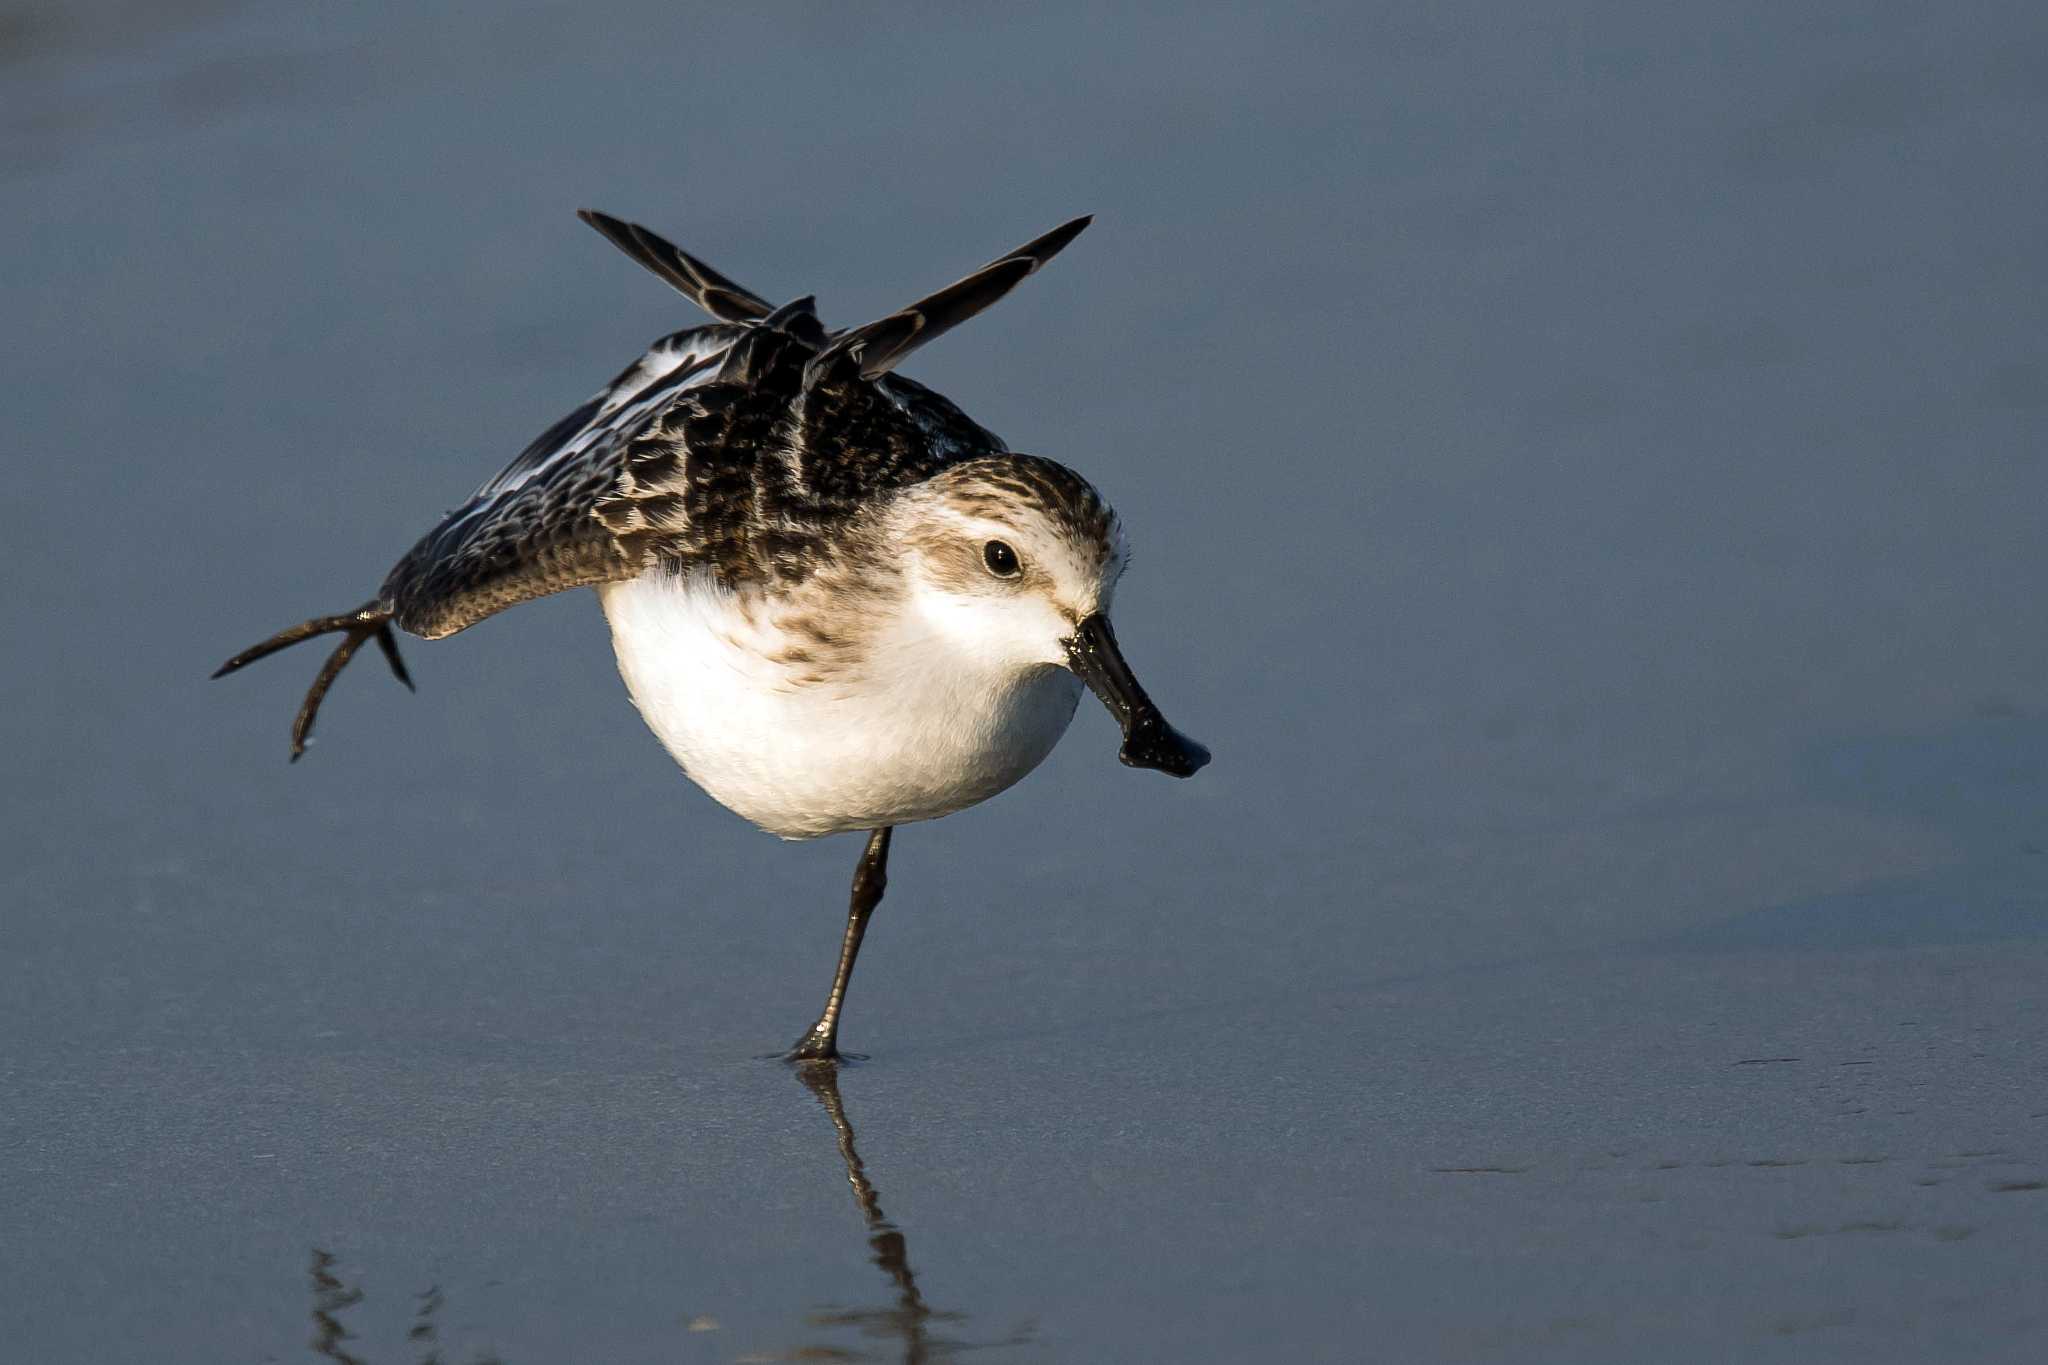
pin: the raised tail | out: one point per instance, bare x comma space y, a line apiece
371, 620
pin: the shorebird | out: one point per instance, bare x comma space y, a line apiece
840, 603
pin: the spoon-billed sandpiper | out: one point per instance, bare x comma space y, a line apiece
839, 602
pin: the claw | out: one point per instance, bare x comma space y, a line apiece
388, 642
365, 622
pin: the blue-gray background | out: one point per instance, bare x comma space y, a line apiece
1587, 472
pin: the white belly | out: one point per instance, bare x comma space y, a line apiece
913, 735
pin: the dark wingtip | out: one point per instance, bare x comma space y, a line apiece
1056, 241
880, 346
718, 295
617, 231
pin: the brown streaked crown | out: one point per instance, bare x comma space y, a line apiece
994, 486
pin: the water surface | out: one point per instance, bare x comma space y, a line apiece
1585, 467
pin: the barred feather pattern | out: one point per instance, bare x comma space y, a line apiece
739, 447
727, 462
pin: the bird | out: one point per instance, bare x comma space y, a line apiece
841, 604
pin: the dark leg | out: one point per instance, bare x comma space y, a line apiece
870, 880
367, 622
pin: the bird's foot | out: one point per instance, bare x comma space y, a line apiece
819, 1045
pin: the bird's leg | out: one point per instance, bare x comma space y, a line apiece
870, 880
370, 621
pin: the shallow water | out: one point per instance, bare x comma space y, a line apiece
1586, 471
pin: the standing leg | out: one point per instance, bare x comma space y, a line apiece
870, 880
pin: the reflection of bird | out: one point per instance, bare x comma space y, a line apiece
840, 603
332, 1296
909, 1318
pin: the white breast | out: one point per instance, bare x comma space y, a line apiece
915, 733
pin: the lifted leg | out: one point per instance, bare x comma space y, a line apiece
371, 621
870, 880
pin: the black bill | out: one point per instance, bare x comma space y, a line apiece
1149, 742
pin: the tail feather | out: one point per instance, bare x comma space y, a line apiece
369, 621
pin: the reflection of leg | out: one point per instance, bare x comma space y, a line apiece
823, 1081
870, 880
885, 1239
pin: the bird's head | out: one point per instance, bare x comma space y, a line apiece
1014, 559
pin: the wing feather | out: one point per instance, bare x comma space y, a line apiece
630, 393
741, 444
533, 530
880, 346
717, 295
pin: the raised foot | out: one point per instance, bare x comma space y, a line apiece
371, 621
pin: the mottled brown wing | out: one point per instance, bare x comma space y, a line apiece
533, 530
541, 538
744, 460
754, 476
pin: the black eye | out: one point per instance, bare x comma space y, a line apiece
1000, 558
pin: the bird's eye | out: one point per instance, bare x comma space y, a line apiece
1000, 558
